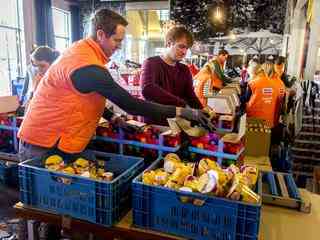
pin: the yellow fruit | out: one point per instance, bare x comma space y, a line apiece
161, 177
172, 157
68, 170
191, 182
172, 184
148, 177
81, 163
180, 174
53, 160
207, 164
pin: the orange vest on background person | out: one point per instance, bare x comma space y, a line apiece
264, 99
202, 79
59, 114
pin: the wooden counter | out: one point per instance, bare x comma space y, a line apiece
276, 224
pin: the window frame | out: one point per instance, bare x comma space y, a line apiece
18, 29
67, 16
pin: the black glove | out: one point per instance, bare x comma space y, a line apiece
129, 128
198, 116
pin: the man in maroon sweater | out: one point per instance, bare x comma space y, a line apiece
167, 81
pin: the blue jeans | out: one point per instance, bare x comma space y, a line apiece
28, 151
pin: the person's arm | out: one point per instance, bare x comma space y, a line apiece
219, 71
190, 96
97, 79
151, 89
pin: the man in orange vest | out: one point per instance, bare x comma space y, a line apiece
71, 97
265, 95
213, 73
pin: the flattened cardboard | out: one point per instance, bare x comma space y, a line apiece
232, 92
236, 137
9, 104
221, 104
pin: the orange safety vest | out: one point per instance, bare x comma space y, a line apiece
58, 113
201, 80
264, 100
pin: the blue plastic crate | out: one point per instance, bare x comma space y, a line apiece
83, 198
202, 217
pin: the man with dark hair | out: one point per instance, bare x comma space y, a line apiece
279, 66
212, 74
71, 97
167, 81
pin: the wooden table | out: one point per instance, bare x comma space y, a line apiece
276, 224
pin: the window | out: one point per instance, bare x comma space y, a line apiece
61, 26
12, 53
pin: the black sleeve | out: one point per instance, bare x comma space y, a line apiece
97, 79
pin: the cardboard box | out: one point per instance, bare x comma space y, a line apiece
258, 138
222, 104
8, 104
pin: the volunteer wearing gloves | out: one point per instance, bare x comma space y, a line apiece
71, 97
167, 81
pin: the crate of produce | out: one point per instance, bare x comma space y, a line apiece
149, 139
190, 214
213, 145
84, 197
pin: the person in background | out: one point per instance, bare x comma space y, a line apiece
263, 95
192, 67
41, 58
212, 75
279, 66
244, 75
277, 78
167, 81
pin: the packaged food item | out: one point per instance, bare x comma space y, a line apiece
171, 162
251, 173
85, 174
207, 183
68, 170
161, 177
172, 184
180, 174
81, 165
248, 195
108, 176
207, 164
148, 177
191, 182
54, 163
